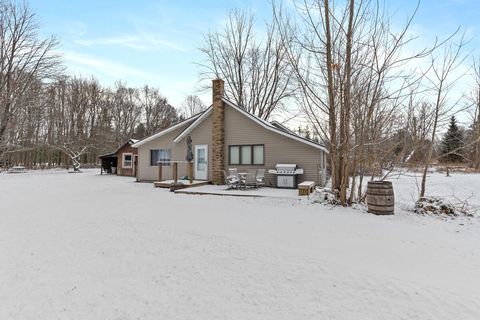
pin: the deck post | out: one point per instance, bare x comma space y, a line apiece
190, 171
175, 172
159, 171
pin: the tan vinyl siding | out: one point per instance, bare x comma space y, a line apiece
240, 130
202, 134
147, 172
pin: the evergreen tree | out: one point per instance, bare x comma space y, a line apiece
452, 142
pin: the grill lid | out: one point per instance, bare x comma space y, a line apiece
286, 167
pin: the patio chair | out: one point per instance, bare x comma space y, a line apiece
233, 172
260, 177
250, 179
231, 181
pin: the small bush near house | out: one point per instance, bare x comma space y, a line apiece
325, 195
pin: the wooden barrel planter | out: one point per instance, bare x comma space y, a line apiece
380, 197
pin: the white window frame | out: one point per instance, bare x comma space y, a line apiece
123, 160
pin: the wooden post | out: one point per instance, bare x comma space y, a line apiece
190, 172
160, 171
135, 163
175, 172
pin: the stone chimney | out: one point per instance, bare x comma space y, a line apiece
218, 132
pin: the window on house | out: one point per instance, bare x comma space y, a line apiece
127, 160
234, 153
160, 155
246, 154
258, 157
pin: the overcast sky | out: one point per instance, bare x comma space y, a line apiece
155, 42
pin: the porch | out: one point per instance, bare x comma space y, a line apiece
178, 181
263, 192
185, 183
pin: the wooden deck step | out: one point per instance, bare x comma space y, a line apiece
185, 183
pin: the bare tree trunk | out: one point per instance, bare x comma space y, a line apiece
345, 112
477, 134
476, 117
331, 100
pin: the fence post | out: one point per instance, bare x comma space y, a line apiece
160, 171
175, 173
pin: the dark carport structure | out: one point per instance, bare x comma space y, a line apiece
109, 163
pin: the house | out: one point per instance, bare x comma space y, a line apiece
225, 136
123, 161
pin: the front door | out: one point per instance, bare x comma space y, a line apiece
201, 162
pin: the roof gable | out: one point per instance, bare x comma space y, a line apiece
273, 128
168, 130
193, 125
129, 142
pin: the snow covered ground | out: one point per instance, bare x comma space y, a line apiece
85, 246
459, 187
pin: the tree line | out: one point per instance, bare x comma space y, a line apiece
71, 113
46, 116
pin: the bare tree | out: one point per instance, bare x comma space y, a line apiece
157, 113
353, 81
256, 73
192, 105
24, 58
74, 155
442, 79
475, 130
126, 112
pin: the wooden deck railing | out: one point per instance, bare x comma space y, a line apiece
175, 170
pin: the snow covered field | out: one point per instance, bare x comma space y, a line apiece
84, 246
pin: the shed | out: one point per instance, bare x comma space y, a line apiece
108, 163
127, 159
123, 161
